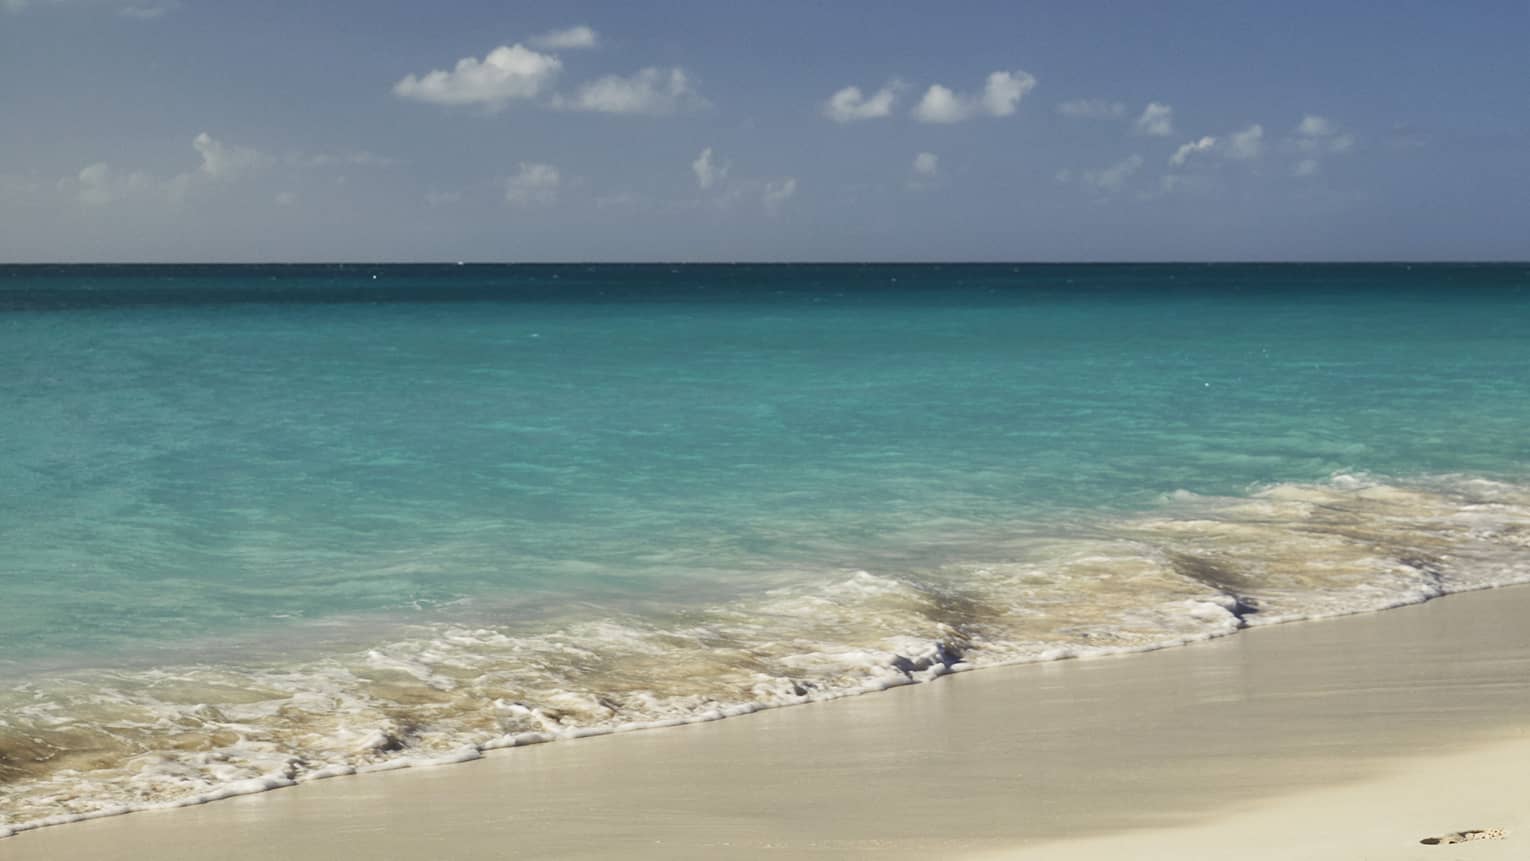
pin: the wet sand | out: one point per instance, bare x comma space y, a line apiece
1345, 738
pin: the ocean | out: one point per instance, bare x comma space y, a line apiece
271, 523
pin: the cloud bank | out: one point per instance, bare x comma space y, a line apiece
571, 39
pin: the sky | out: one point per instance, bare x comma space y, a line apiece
208, 130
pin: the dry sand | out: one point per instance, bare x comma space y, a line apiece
1349, 738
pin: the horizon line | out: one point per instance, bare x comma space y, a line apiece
805, 262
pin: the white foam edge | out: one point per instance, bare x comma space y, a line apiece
468, 753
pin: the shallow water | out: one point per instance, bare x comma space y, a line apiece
261, 524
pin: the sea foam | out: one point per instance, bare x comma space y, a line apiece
90, 744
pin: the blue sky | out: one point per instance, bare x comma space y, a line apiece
169, 130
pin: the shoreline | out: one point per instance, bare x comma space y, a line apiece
976, 764
452, 695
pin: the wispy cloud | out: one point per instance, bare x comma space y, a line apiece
1185, 151
651, 92
1247, 144
925, 172
1092, 109
570, 39
1156, 120
1112, 178
1105, 180
1242, 145
225, 162
100, 184
220, 164
724, 190
708, 172
777, 193
1321, 135
1314, 139
533, 183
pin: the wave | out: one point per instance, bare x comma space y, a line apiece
100, 743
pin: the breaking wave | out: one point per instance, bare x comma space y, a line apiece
97, 743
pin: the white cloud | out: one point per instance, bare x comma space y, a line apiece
220, 164
1247, 144
941, 105
926, 167
225, 162
1315, 134
723, 189
651, 91
1004, 91
1314, 139
533, 182
507, 73
777, 193
435, 199
573, 38
99, 184
1112, 178
1184, 152
708, 173
1238, 146
1105, 180
1001, 94
1092, 109
1315, 126
850, 104
1157, 120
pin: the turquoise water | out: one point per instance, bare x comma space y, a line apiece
409, 501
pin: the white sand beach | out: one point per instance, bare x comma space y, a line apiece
1348, 738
